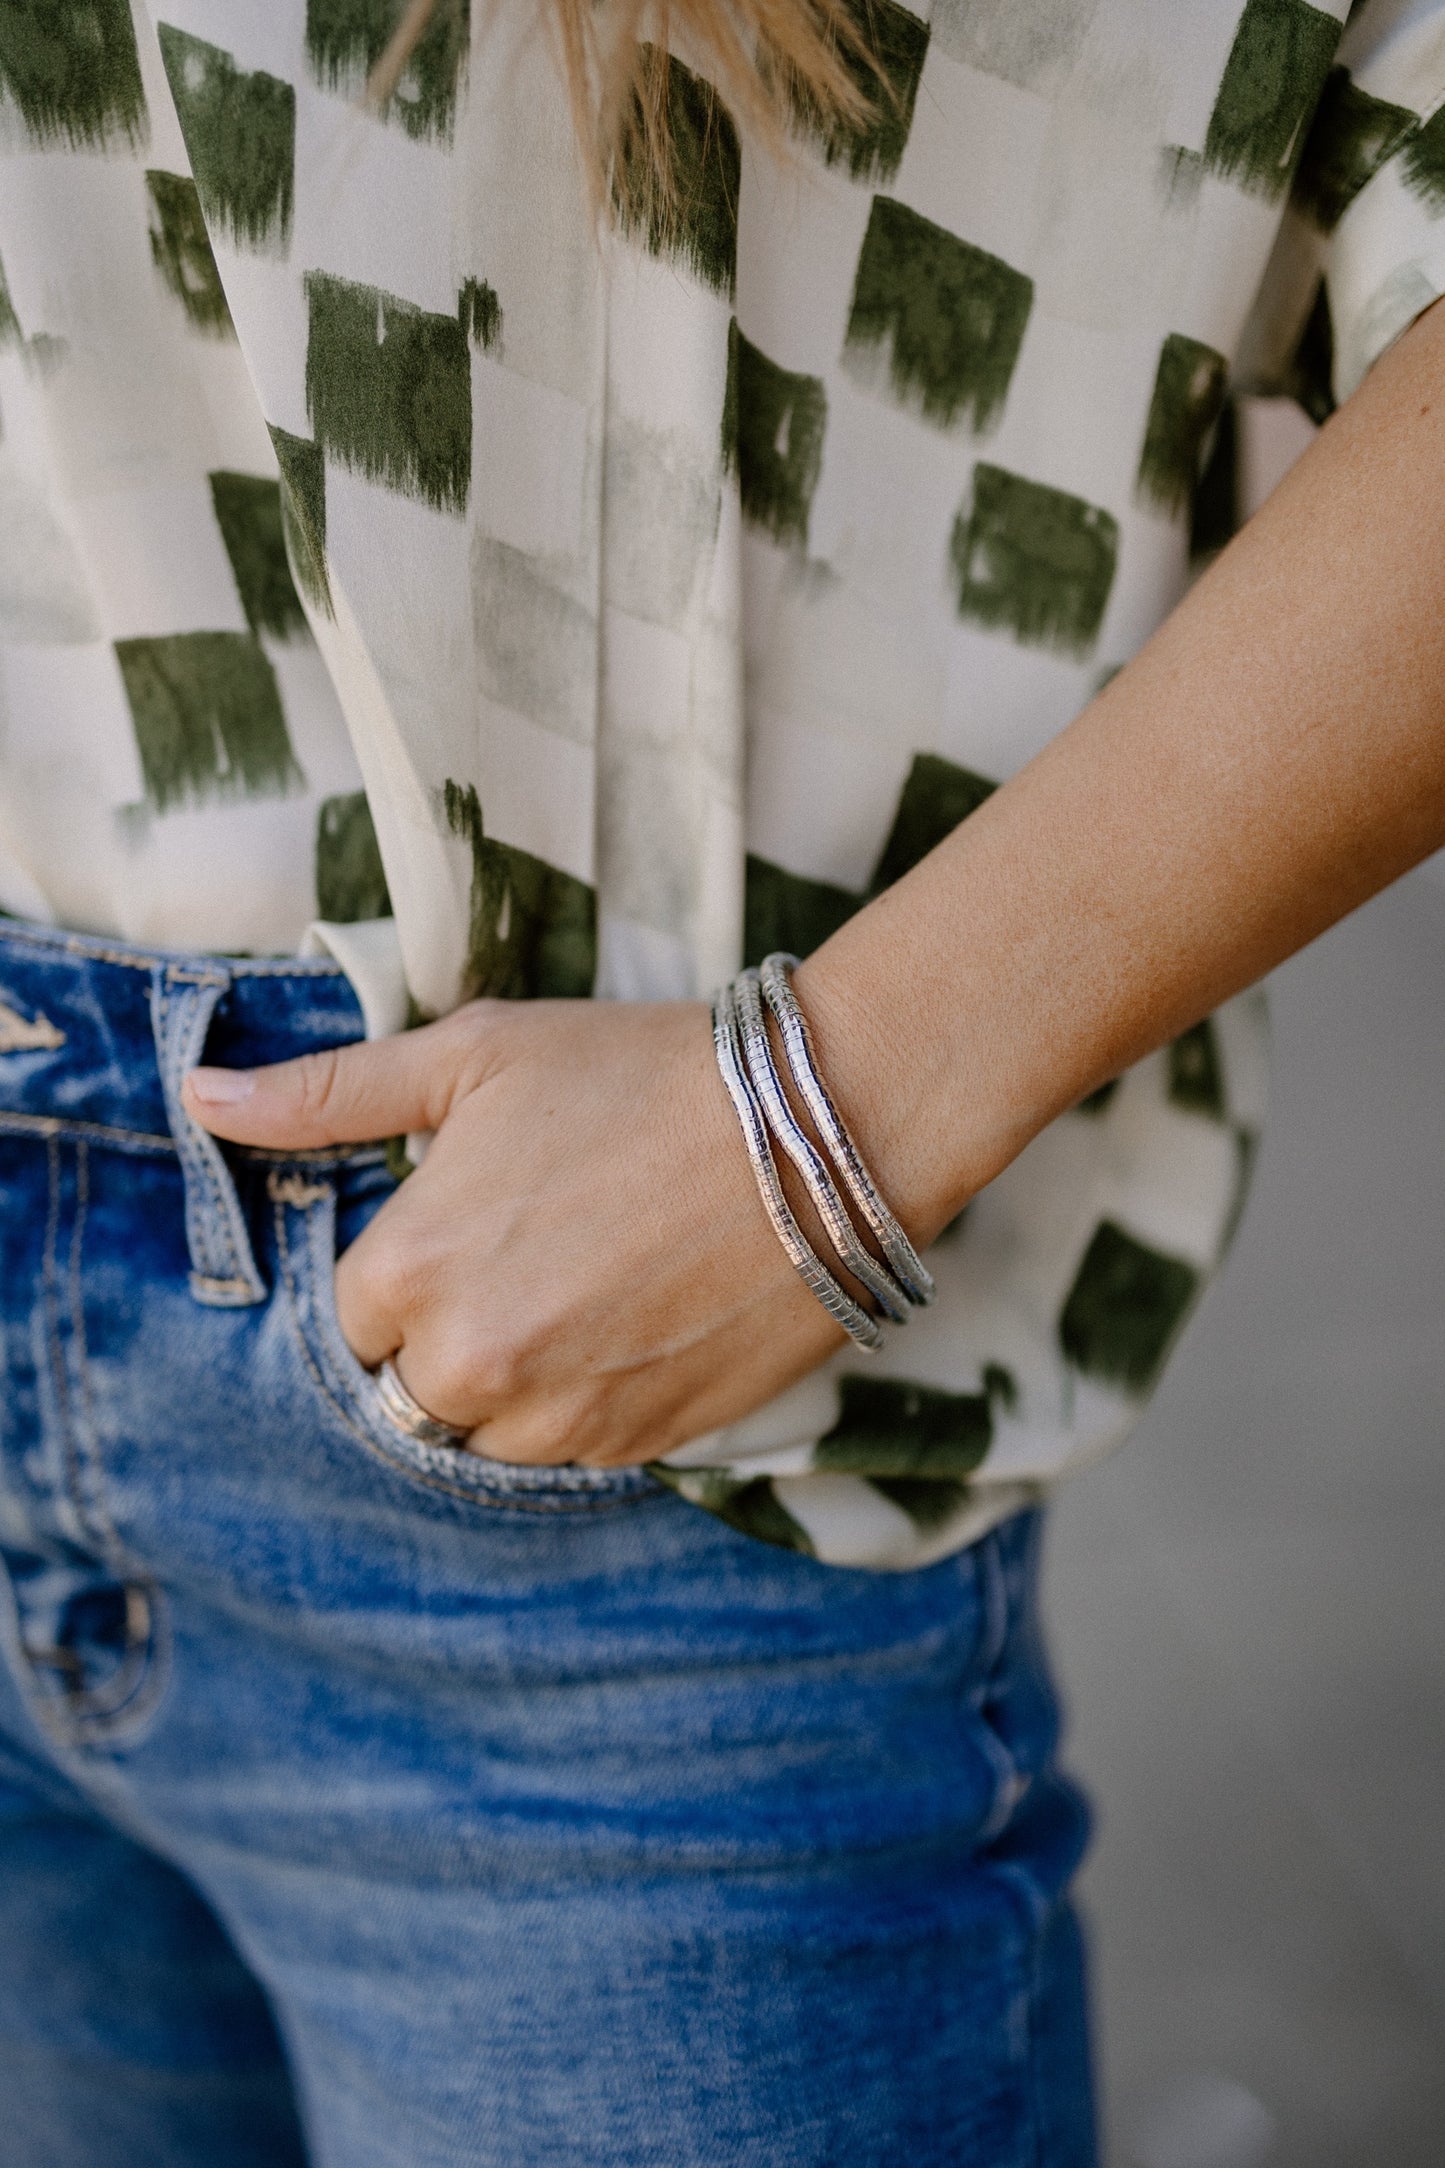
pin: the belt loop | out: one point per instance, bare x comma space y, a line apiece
223, 1267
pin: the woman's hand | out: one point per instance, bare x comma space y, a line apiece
580, 1269
582, 1265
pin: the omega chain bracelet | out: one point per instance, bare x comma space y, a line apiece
892, 1299
750, 1074
775, 978
839, 1304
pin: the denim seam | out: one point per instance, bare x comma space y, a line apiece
317, 1155
145, 960
60, 1384
68, 1715
65, 1127
1010, 1785
1031, 1934
567, 1503
59, 1125
102, 1710
91, 1509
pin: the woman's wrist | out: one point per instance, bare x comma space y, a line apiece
909, 1076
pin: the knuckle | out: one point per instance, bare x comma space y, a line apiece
399, 1275
500, 1369
459, 1380
466, 1363
316, 1085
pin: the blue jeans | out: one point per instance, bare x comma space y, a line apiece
372, 1806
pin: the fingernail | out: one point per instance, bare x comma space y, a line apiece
222, 1087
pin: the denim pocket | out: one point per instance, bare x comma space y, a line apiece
305, 1205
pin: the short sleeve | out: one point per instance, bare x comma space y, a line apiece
1362, 249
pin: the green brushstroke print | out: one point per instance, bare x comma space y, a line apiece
950, 315
346, 38
248, 513
937, 794
350, 879
240, 133
72, 70
783, 910
1424, 162
1189, 389
1034, 561
1216, 507
479, 313
773, 424
693, 219
1351, 137
886, 72
890, 1427
1126, 1305
533, 930
1271, 85
10, 333
208, 719
181, 252
389, 390
753, 1507
1196, 1071
303, 514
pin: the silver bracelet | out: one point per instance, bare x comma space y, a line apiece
892, 1299
839, 1304
912, 1274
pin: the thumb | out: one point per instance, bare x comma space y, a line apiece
346, 1095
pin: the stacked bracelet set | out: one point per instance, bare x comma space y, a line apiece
899, 1282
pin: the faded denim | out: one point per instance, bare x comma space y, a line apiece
379, 1807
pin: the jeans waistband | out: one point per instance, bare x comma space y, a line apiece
78, 1026
97, 1036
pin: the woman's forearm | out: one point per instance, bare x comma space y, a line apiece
581, 1264
1273, 757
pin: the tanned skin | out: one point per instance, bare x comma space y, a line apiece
581, 1268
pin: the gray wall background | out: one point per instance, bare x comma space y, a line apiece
1248, 1615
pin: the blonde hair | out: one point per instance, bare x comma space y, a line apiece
771, 60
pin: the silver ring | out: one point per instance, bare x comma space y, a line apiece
409, 1415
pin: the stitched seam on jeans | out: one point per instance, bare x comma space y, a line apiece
1029, 1932
59, 1125
144, 1140
62, 1712
300, 967
499, 1501
59, 1383
88, 1436
102, 1705
91, 1510
70, 946
320, 1155
54, 1706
